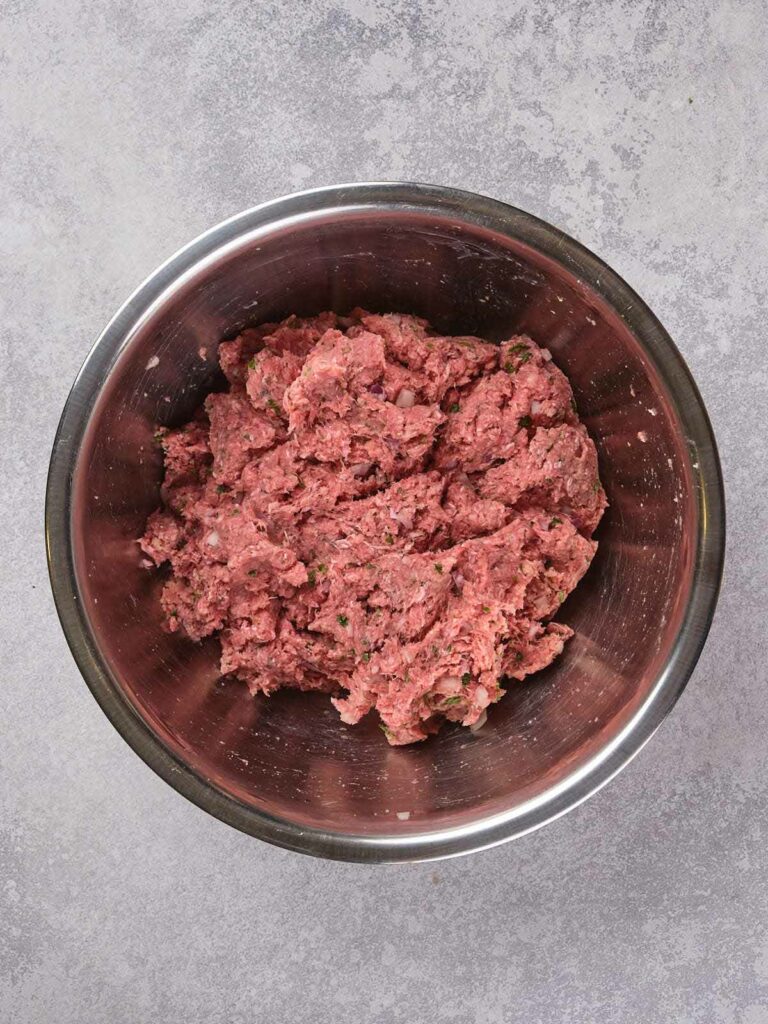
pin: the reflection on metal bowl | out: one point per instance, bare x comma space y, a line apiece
287, 769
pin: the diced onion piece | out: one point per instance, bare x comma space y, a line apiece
480, 722
481, 697
404, 518
213, 539
535, 407
406, 399
448, 685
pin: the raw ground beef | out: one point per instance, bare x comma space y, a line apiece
381, 513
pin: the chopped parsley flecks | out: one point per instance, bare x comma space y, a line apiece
561, 596
312, 577
452, 700
523, 354
252, 363
466, 679
555, 521
388, 538
365, 656
525, 421
272, 404
439, 568
454, 407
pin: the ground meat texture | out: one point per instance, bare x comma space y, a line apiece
379, 512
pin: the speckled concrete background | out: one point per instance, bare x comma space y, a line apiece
127, 128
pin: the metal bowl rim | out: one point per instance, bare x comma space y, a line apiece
460, 207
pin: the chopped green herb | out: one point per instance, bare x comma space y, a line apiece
466, 679
366, 656
253, 572
524, 356
368, 565
272, 404
322, 567
312, 577
486, 609
561, 596
518, 656
388, 538
387, 732
454, 407
221, 489
452, 700
573, 405
596, 486
439, 568
174, 614
342, 620
235, 511
435, 650
525, 421
252, 363
554, 522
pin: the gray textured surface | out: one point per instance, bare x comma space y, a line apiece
641, 128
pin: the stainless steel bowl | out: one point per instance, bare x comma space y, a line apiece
286, 769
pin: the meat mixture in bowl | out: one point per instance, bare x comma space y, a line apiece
380, 512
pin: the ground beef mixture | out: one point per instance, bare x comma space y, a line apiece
379, 512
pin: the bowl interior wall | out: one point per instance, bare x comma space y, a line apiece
290, 755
